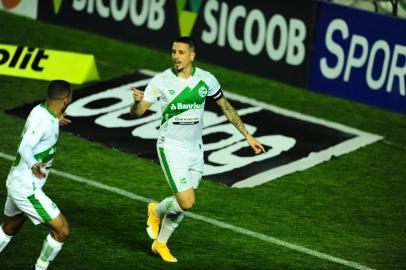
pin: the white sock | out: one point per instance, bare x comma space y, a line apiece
4, 239
169, 225
39, 268
50, 249
169, 206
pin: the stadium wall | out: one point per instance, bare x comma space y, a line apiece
311, 44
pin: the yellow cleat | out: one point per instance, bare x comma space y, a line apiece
163, 251
153, 221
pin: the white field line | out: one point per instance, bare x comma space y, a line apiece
395, 145
214, 222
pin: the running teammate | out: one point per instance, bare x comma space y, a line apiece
29, 172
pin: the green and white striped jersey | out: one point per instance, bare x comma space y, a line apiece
182, 104
38, 144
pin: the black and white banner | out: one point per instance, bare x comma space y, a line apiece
294, 141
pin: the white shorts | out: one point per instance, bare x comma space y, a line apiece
38, 207
183, 168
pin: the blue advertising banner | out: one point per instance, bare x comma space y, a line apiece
361, 56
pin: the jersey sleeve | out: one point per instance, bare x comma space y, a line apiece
214, 85
35, 130
153, 90
214, 88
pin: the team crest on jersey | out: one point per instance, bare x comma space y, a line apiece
202, 91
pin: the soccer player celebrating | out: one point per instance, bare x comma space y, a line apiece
29, 172
181, 91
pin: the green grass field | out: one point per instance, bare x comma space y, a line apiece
352, 207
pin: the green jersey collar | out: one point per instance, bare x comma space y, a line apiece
176, 73
43, 105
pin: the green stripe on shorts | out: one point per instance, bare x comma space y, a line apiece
167, 170
39, 208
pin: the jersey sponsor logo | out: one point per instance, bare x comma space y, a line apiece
185, 120
294, 141
185, 106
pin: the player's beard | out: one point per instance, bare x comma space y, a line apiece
180, 69
65, 106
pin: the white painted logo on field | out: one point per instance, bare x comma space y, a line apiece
224, 155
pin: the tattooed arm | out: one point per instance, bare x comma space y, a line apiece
232, 116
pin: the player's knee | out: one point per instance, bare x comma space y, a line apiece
186, 204
65, 233
62, 234
10, 229
12, 225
